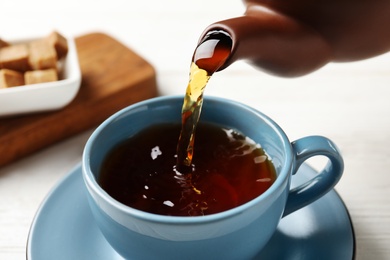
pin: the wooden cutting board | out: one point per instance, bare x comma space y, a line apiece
113, 77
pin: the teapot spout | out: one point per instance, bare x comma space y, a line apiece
273, 42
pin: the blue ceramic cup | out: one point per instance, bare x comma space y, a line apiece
238, 233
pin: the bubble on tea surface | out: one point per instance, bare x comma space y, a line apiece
168, 203
260, 159
155, 152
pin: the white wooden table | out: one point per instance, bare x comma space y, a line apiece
349, 103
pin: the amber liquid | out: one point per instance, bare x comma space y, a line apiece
208, 57
229, 170
218, 170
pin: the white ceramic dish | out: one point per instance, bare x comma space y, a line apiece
44, 96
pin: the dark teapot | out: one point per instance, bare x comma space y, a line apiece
295, 37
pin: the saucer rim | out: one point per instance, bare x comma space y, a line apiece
78, 166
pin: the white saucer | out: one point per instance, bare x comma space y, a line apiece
64, 228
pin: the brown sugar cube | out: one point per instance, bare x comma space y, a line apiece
42, 55
40, 76
59, 43
3, 43
15, 57
10, 78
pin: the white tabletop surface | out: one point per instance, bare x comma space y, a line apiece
349, 103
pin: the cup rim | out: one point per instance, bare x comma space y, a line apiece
92, 183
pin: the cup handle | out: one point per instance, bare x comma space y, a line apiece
322, 183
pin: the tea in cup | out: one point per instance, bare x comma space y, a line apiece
227, 170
